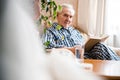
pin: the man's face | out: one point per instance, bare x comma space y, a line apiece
65, 17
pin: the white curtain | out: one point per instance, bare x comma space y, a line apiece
90, 16
112, 22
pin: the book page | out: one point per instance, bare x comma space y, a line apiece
93, 41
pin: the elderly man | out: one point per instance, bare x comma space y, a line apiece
63, 35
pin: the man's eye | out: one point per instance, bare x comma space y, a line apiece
65, 15
71, 16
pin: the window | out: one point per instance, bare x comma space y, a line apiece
112, 22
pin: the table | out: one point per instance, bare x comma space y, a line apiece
108, 69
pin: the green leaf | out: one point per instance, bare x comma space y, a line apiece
58, 27
63, 37
54, 14
47, 9
43, 6
59, 7
50, 23
47, 43
51, 4
48, 3
50, 8
42, 1
45, 30
54, 6
44, 17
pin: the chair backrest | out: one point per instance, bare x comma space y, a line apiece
83, 33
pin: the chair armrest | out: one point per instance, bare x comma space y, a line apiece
117, 50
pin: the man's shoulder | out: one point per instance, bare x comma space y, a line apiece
72, 29
53, 27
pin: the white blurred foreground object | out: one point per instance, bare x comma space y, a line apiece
64, 52
24, 58
69, 55
87, 66
64, 67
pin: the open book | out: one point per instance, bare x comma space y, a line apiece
94, 40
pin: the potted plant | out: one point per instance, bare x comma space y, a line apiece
48, 14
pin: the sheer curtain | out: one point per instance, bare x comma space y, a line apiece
96, 17
90, 16
112, 22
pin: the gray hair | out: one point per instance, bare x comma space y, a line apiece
69, 6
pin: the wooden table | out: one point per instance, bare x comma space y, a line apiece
106, 68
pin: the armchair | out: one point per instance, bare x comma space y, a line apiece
117, 50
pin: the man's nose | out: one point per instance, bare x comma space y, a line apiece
68, 18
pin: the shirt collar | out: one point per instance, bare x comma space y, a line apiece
61, 26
